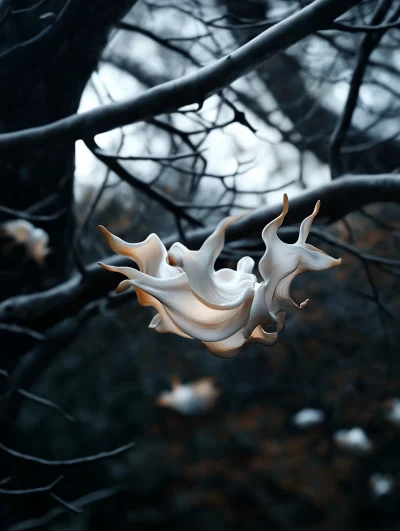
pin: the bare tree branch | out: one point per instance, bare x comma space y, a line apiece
190, 89
22, 492
338, 198
45, 402
67, 462
79, 503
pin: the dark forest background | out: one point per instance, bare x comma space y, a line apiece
165, 116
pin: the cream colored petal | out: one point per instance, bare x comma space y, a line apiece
282, 298
260, 313
280, 259
187, 312
305, 226
124, 286
269, 232
245, 265
224, 289
265, 338
150, 254
282, 262
227, 348
315, 260
129, 272
161, 322
211, 248
312, 248
193, 317
232, 346
284, 267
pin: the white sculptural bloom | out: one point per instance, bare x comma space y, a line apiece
224, 309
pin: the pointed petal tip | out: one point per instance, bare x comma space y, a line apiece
107, 234
304, 304
155, 321
285, 203
123, 286
105, 266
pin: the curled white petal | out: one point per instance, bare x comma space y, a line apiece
187, 312
150, 254
233, 345
282, 262
223, 289
161, 322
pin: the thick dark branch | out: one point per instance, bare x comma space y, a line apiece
190, 89
338, 198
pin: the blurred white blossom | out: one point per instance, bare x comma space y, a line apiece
308, 417
192, 398
381, 484
34, 239
354, 440
393, 411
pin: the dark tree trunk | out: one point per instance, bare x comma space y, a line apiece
47, 56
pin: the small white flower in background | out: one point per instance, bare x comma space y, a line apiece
381, 484
191, 398
224, 309
308, 417
354, 440
393, 411
22, 232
